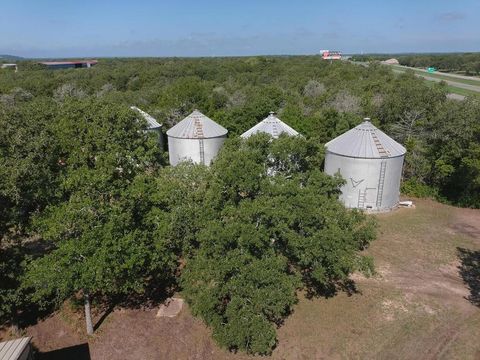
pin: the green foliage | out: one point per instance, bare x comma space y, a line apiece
277, 226
414, 187
80, 177
102, 245
11, 269
468, 63
28, 161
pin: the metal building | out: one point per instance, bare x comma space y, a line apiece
9, 66
272, 126
196, 138
152, 124
371, 163
56, 65
18, 349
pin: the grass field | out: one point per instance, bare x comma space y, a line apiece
453, 89
421, 304
460, 91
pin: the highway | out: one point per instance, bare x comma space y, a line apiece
424, 74
453, 76
467, 83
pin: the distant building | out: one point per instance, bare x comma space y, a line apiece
331, 55
9, 66
69, 64
391, 62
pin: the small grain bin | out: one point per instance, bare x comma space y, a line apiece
17, 349
152, 124
196, 138
272, 126
371, 163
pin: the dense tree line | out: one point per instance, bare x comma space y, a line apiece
467, 63
89, 209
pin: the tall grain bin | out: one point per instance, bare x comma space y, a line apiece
270, 125
152, 124
371, 163
196, 138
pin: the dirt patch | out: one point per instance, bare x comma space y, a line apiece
417, 306
467, 222
467, 229
54, 333
139, 334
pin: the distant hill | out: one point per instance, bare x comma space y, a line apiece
6, 57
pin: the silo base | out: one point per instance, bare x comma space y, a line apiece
377, 210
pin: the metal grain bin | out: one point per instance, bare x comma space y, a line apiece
152, 124
272, 126
371, 163
196, 138
18, 349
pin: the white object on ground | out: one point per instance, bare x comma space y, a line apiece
170, 308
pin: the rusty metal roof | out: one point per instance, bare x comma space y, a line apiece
197, 126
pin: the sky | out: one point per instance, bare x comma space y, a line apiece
106, 28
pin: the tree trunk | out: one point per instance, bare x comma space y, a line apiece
88, 315
15, 317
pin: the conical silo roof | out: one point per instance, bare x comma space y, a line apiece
197, 126
365, 141
272, 126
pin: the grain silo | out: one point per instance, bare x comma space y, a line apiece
196, 138
270, 125
153, 125
371, 163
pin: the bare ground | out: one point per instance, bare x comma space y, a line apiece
418, 306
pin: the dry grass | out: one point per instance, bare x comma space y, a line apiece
416, 307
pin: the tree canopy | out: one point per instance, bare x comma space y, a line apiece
88, 205
277, 226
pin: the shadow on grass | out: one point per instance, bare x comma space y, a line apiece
105, 314
469, 270
329, 290
154, 295
76, 352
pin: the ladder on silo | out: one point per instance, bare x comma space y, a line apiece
381, 150
202, 151
361, 198
274, 131
381, 183
198, 133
